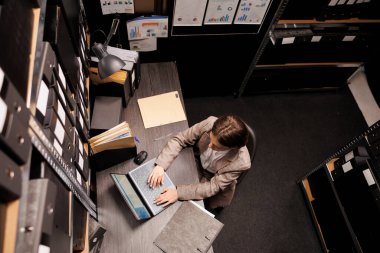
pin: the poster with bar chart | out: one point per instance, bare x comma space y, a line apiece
220, 12
189, 12
251, 11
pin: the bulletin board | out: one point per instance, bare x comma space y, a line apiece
218, 17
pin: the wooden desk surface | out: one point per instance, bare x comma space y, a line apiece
124, 232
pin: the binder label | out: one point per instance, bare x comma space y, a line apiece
58, 147
81, 161
3, 114
368, 177
349, 156
59, 131
42, 99
61, 76
61, 112
347, 167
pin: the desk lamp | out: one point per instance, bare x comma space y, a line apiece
108, 63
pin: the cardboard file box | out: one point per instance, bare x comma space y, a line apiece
14, 101
80, 179
10, 179
14, 137
111, 157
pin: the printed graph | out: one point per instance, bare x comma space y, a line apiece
134, 33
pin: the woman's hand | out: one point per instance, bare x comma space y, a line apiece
167, 197
156, 177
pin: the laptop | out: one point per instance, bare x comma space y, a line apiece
136, 191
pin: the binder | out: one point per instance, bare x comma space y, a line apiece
62, 88
10, 179
54, 102
57, 33
63, 145
14, 137
41, 169
40, 213
81, 163
52, 118
15, 102
81, 126
79, 230
191, 229
48, 62
82, 108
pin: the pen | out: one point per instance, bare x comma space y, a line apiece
163, 137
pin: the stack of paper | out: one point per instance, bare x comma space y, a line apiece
117, 137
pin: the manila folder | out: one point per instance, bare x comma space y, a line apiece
161, 109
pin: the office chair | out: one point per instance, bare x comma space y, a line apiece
251, 146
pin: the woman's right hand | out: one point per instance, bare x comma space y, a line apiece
156, 177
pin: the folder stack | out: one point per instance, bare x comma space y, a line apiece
112, 146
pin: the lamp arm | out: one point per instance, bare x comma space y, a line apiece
114, 26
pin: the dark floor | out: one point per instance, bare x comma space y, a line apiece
295, 133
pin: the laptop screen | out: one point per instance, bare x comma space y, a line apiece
130, 196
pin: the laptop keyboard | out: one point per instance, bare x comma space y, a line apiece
140, 178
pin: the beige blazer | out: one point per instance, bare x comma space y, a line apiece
220, 187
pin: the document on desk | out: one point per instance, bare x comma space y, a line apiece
191, 229
161, 109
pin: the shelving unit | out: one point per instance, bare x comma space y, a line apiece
342, 195
25, 223
324, 43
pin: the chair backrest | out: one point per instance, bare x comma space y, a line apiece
251, 146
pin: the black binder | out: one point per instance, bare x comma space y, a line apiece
14, 137
191, 229
39, 214
10, 179
15, 102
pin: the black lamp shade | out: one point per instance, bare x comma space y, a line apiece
108, 63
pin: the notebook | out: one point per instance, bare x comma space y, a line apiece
135, 190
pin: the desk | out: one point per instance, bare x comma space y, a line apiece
124, 232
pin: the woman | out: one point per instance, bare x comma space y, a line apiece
223, 157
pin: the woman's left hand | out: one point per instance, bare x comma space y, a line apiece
167, 197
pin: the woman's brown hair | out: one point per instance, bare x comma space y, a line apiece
230, 131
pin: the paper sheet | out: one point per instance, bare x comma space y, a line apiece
143, 45
111, 6
220, 12
251, 11
161, 109
189, 12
